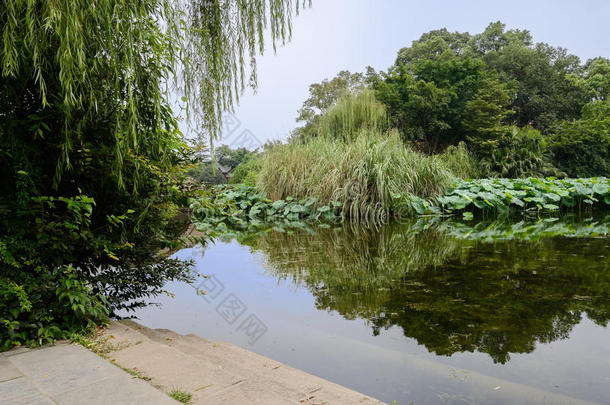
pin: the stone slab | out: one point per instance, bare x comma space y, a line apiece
7, 370
20, 391
68, 374
116, 391
64, 367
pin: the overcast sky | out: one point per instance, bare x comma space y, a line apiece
334, 35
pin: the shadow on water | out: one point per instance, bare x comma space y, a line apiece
454, 286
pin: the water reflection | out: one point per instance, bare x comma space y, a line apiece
451, 285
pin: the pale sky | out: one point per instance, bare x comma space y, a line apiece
334, 35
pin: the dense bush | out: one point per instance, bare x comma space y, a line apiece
582, 148
460, 161
88, 246
218, 167
518, 152
207, 173
247, 171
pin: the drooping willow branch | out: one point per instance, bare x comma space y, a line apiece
107, 51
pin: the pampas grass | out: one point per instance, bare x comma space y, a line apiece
371, 176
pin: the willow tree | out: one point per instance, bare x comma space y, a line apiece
89, 144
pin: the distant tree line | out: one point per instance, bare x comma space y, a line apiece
523, 108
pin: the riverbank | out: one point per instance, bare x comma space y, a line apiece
214, 372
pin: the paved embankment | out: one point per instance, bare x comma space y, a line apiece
217, 372
69, 374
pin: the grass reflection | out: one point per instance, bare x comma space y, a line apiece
492, 287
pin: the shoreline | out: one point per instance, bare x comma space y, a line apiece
214, 372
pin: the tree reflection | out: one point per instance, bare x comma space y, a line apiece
455, 287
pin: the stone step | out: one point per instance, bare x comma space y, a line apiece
253, 367
224, 355
256, 369
219, 373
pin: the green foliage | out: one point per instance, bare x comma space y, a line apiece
36, 314
91, 158
200, 46
546, 81
353, 113
460, 161
217, 168
207, 173
247, 171
597, 78
372, 176
231, 158
451, 87
518, 152
582, 148
527, 195
43, 297
486, 112
323, 96
241, 210
426, 98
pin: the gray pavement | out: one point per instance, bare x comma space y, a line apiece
69, 374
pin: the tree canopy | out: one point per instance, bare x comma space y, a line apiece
497, 88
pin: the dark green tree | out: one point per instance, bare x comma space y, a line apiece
486, 112
426, 98
597, 78
544, 79
581, 148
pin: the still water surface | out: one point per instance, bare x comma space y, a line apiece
428, 312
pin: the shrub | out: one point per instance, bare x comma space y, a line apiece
247, 171
518, 153
582, 148
460, 161
207, 173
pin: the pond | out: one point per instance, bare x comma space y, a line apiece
426, 312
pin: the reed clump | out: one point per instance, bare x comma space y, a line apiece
371, 176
